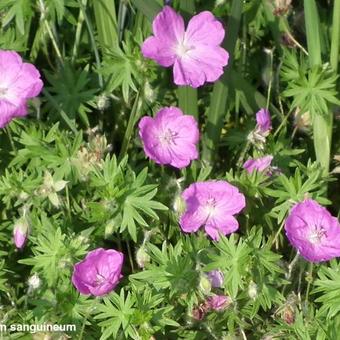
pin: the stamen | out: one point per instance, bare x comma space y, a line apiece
168, 137
316, 236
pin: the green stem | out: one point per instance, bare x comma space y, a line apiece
309, 279
270, 79
130, 256
93, 42
78, 33
81, 334
43, 12
10, 137
132, 120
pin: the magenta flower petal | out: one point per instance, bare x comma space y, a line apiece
227, 226
168, 29
170, 138
195, 53
264, 122
259, 164
99, 272
19, 82
313, 231
205, 29
211, 204
218, 302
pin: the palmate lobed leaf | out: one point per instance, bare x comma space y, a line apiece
313, 91
117, 311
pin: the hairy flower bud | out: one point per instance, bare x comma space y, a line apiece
204, 284
20, 232
103, 102
252, 290
34, 282
142, 257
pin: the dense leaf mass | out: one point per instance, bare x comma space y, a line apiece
169, 169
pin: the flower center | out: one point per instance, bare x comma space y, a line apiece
210, 206
100, 279
167, 137
316, 236
182, 49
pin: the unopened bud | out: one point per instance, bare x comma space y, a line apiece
288, 315
252, 290
103, 102
34, 282
179, 205
20, 233
142, 257
205, 285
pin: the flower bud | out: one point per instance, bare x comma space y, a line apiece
252, 290
199, 312
142, 257
216, 278
103, 102
179, 205
34, 282
205, 285
20, 233
288, 315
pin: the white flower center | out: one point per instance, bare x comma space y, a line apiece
210, 207
100, 279
316, 236
167, 137
182, 49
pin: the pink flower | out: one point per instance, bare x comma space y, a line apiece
218, 302
99, 273
20, 233
211, 204
19, 82
313, 231
264, 122
259, 164
170, 137
195, 52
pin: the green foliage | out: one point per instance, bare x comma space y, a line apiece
75, 169
117, 312
312, 90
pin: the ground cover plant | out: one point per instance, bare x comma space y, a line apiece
169, 169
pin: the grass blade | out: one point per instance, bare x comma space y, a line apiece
149, 8
322, 124
187, 96
335, 36
219, 97
106, 22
